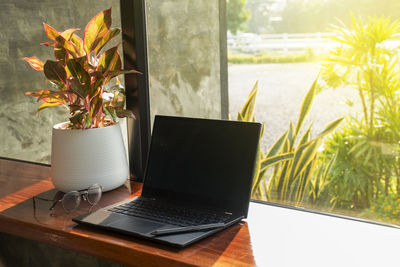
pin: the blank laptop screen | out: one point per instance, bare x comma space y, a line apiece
202, 162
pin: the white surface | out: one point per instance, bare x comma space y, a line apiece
81, 158
286, 237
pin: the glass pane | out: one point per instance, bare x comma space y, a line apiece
351, 167
184, 58
23, 134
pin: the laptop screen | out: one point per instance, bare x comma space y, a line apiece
202, 162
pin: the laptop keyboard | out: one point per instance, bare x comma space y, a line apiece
150, 209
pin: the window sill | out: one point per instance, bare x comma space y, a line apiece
271, 236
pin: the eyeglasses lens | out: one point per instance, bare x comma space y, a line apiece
71, 201
94, 194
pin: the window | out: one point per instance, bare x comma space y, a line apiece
286, 45
184, 58
352, 168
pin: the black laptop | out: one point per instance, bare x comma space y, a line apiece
197, 182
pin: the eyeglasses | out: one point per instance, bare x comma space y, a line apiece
71, 200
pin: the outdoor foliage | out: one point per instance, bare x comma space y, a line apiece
315, 15
80, 74
270, 58
367, 166
236, 14
386, 209
293, 158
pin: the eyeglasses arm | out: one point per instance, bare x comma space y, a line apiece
54, 204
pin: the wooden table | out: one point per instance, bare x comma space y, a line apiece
271, 236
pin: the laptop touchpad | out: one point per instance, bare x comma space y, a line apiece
135, 225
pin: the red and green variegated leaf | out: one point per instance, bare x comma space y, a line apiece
87, 123
67, 34
77, 117
38, 93
50, 32
53, 44
94, 87
96, 107
49, 104
124, 113
84, 63
53, 98
54, 71
54, 35
110, 111
60, 53
109, 60
77, 71
35, 63
48, 95
97, 74
97, 28
80, 89
113, 73
78, 42
103, 41
59, 85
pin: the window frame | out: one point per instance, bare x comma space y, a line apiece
134, 42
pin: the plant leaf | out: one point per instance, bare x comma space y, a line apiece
124, 113
54, 35
78, 72
330, 127
54, 71
305, 107
108, 36
96, 29
49, 44
49, 104
49, 96
111, 112
81, 89
267, 162
306, 156
306, 136
50, 32
109, 60
112, 73
60, 53
77, 117
35, 63
277, 145
87, 122
247, 111
94, 87
67, 34
78, 42
39, 93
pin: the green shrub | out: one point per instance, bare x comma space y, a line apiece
367, 166
386, 209
268, 58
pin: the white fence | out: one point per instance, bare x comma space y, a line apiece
250, 43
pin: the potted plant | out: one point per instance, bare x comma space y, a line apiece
89, 147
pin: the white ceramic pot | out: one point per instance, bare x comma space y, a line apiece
80, 158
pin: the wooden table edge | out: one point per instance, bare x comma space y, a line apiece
68, 240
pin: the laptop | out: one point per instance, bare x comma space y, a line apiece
197, 182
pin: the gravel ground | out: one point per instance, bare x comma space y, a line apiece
281, 89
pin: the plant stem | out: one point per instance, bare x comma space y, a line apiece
362, 99
371, 113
